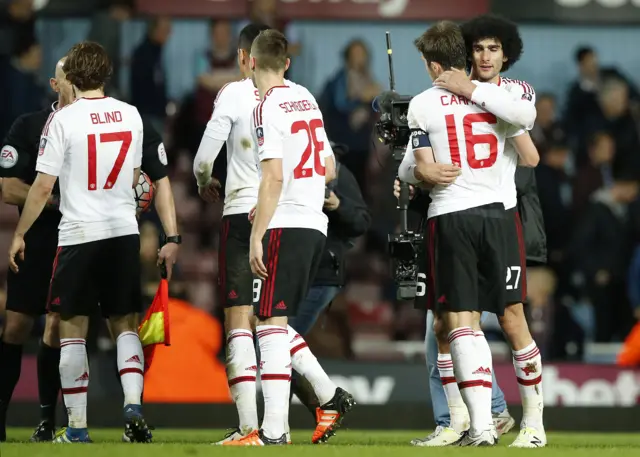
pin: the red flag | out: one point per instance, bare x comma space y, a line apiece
154, 328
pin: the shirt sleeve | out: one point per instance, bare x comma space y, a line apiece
52, 147
154, 156
268, 137
407, 167
16, 154
224, 115
419, 137
518, 109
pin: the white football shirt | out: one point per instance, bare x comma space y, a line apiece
289, 126
464, 134
509, 161
93, 146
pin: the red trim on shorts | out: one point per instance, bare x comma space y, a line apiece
268, 286
431, 254
523, 256
53, 273
222, 262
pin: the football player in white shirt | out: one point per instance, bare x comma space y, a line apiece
289, 229
94, 147
231, 123
467, 224
493, 45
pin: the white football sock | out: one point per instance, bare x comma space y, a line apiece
275, 376
131, 367
74, 379
242, 369
457, 408
306, 364
484, 357
469, 375
528, 365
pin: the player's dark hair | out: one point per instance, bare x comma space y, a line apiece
88, 66
271, 50
443, 43
498, 28
583, 52
249, 33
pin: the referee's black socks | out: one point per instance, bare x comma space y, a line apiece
10, 365
48, 381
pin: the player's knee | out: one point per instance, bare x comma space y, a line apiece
239, 317
17, 327
121, 324
441, 331
51, 335
513, 321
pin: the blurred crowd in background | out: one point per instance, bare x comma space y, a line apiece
588, 181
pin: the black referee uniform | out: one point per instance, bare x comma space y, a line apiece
28, 290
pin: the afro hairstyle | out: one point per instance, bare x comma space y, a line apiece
499, 28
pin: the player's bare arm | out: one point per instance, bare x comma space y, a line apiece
15, 193
527, 151
517, 111
268, 197
431, 173
166, 208
37, 198
330, 169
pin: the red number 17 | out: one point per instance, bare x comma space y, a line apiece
313, 145
125, 138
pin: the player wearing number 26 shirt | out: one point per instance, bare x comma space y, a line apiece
294, 160
93, 147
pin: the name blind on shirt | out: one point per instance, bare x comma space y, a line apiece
106, 118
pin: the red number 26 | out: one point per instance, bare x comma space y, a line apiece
313, 145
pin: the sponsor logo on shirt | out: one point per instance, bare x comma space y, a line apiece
8, 156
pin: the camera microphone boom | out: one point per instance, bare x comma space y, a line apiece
393, 130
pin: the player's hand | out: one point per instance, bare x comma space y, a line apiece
168, 255
17, 248
252, 215
456, 81
255, 259
442, 174
396, 190
331, 203
210, 193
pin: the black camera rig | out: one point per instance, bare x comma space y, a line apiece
393, 130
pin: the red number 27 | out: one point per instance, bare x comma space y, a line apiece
313, 145
125, 139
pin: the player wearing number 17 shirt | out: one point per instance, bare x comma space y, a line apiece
466, 220
289, 228
94, 148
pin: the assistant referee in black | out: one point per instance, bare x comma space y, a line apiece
27, 290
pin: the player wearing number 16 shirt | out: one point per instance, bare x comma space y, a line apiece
294, 160
94, 148
466, 220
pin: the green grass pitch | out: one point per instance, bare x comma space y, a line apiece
347, 443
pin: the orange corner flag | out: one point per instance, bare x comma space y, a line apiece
154, 328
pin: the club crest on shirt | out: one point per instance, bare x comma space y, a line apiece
43, 144
260, 136
8, 156
162, 154
527, 97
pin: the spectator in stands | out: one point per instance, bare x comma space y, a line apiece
595, 174
548, 129
22, 91
266, 12
148, 75
582, 100
215, 68
346, 105
17, 24
601, 249
106, 29
554, 190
